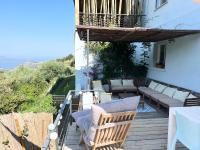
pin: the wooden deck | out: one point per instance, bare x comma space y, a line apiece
148, 132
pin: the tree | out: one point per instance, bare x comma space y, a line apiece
117, 60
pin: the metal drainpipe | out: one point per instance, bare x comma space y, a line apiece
88, 47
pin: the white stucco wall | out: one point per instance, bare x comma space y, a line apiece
175, 14
182, 56
81, 64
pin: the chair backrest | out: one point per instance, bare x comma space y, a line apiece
87, 100
105, 97
113, 128
97, 85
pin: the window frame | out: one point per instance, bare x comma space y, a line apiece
157, 56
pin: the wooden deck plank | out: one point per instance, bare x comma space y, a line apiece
148, 132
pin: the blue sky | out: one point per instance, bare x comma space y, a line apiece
36, 29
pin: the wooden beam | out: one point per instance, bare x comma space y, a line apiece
138, 34
77, 11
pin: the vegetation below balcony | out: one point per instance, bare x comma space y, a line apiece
26, 89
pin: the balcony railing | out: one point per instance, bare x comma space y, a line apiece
111, 20
58, 129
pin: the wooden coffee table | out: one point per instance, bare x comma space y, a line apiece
125, 95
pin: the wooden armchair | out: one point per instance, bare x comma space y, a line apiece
112, 130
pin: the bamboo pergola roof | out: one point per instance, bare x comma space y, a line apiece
137, 34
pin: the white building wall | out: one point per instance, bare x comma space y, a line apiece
80, 63
183, 55
81, 80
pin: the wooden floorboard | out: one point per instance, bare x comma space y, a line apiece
148, 132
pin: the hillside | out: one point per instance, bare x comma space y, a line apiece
26, 88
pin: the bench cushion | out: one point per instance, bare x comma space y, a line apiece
130, 88
158, 96
116, 82
127, 82
153, 85
169, 91
167, 100
160, 88
117, 88
147, 90
171, 102
180, 95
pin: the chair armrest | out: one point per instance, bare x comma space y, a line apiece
192, 102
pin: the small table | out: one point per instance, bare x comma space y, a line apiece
190, 113
125, 95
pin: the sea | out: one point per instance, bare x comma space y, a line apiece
11, 63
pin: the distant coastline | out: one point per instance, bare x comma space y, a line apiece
9, 63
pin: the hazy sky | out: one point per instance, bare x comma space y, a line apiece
36, 29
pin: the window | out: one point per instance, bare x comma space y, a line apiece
160, 55
160, 3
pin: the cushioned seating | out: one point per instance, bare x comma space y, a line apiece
122, 85
147, 91
180, 95
126, 104
117, 88
169, 91
129, 88
77, 115
158, 96
160, 88
84, 122
166, 96
97, 85
171, 102
153, 85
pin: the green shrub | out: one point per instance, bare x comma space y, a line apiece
38, 104
9, 102
52, 69
63, 85
25, 89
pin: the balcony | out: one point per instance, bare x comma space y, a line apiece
110, 20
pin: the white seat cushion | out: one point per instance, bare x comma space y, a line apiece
87, 100
84, 122
116, 82
105, 97
97, 85
147, 90
153, 85
180, 95
77, 115
160, 88
169, 91
127, 82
